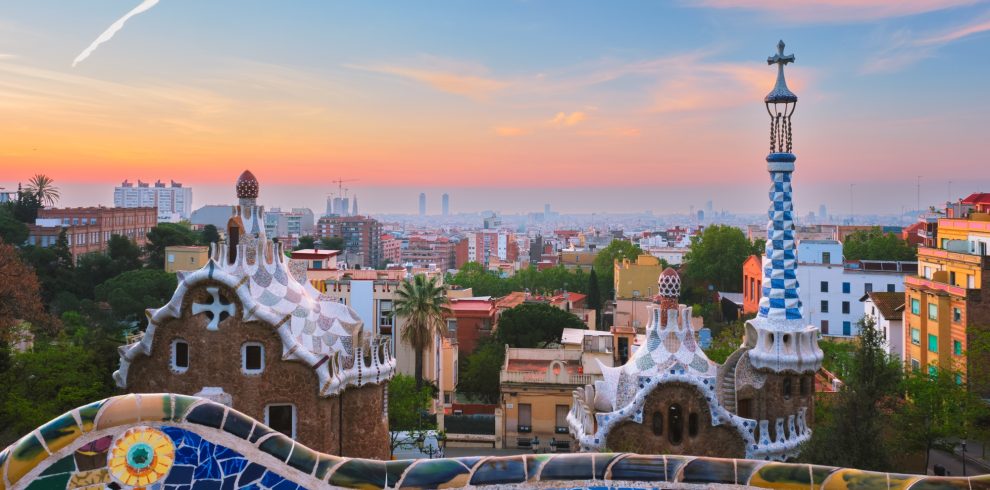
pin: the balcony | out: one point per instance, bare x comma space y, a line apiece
921, 282
940, 255
549, 377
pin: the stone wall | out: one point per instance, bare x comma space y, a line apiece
719, 441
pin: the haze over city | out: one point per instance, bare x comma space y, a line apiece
508, 106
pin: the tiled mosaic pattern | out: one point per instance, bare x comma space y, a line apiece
780, 300
72, 452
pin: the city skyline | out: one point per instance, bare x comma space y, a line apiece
660, 96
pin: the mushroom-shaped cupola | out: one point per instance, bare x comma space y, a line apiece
247, 186
669, 284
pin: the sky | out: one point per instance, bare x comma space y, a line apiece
590, 106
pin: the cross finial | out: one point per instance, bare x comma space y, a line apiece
780, 58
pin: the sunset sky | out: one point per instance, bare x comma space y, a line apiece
607, 106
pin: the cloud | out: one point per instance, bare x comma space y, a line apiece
116, 26
565, 119
815, 11
904, 49
467, 80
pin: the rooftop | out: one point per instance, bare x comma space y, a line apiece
887, 303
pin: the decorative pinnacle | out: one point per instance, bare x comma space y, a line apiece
780, 92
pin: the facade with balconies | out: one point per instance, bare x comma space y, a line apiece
946, 308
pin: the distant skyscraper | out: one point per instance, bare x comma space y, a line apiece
709, 208
422, 204
354, 210
822, 212
173, 202
445, 203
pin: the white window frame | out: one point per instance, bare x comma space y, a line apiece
295, 416
175, 367
244, 368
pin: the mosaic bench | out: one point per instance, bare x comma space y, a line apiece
176, 442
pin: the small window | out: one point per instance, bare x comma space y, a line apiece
786, 388
932, 371
956, 315
657, 423
826, 257
915, 306
804, 386
281, 418
932, 343
525, 417
932, 311
252, 358
675, 417
180, 356
561, 416
915, 336
958, 379
957, 347
824, 307
846, 288
824, 286
915, 365
845, 307
693, 424
891, 288
868, 288
847, 328
824, 327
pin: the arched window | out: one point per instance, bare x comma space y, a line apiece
787, 388
657, 423
675, 419
804, 385
693, 424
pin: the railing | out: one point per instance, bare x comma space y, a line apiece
563, 377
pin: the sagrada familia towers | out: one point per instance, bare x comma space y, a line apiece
669, 398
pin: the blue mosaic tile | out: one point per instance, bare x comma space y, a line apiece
180, 474
500, 470
250, 474
208, 414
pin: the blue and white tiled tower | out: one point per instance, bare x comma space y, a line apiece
779, 338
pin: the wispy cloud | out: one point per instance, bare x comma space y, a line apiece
116, 26
905, 48
464, 79
812, 11
565, 119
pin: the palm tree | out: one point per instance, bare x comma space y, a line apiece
44, 188
423, 304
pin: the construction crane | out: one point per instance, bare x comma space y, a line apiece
340, 186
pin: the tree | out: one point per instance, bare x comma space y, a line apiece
43, 187
726, 341
716, 257
534, 325
594, 301
124, 254
407, 402
26, 208
874, 244
166, 235
305, 242
850, 436
209, 234
130, 293
479, 370
422, 303
332, 243
20, 293
12, 231
605, 264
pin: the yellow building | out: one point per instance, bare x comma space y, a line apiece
578, 259
637, 279
185, 258
945, 305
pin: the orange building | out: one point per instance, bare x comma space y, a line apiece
752, 284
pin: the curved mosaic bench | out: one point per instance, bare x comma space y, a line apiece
177, 442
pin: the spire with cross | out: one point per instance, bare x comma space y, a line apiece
780, 104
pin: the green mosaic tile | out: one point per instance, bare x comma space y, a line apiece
88, 413
60, 432
55, 482
709, 470
64, 465
436, 473
359, 473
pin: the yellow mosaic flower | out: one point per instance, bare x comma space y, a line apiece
141, 456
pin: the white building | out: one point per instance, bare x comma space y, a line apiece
174, 202
831, 287
285, 224
887, 311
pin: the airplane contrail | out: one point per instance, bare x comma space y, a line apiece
116, 26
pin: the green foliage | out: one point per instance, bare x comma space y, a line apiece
12, 231
725, 341
534, 325
858, 418
54, 268
130, 293
208, 235
548, 281
877, 245
594, 301
839, 356
605, 265
422, 302
479, 371
408, 402
43, 188
332, 243
305, 242
26, 208
42, 384
716, 257
166, 235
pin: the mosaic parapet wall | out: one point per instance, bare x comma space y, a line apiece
177, 442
